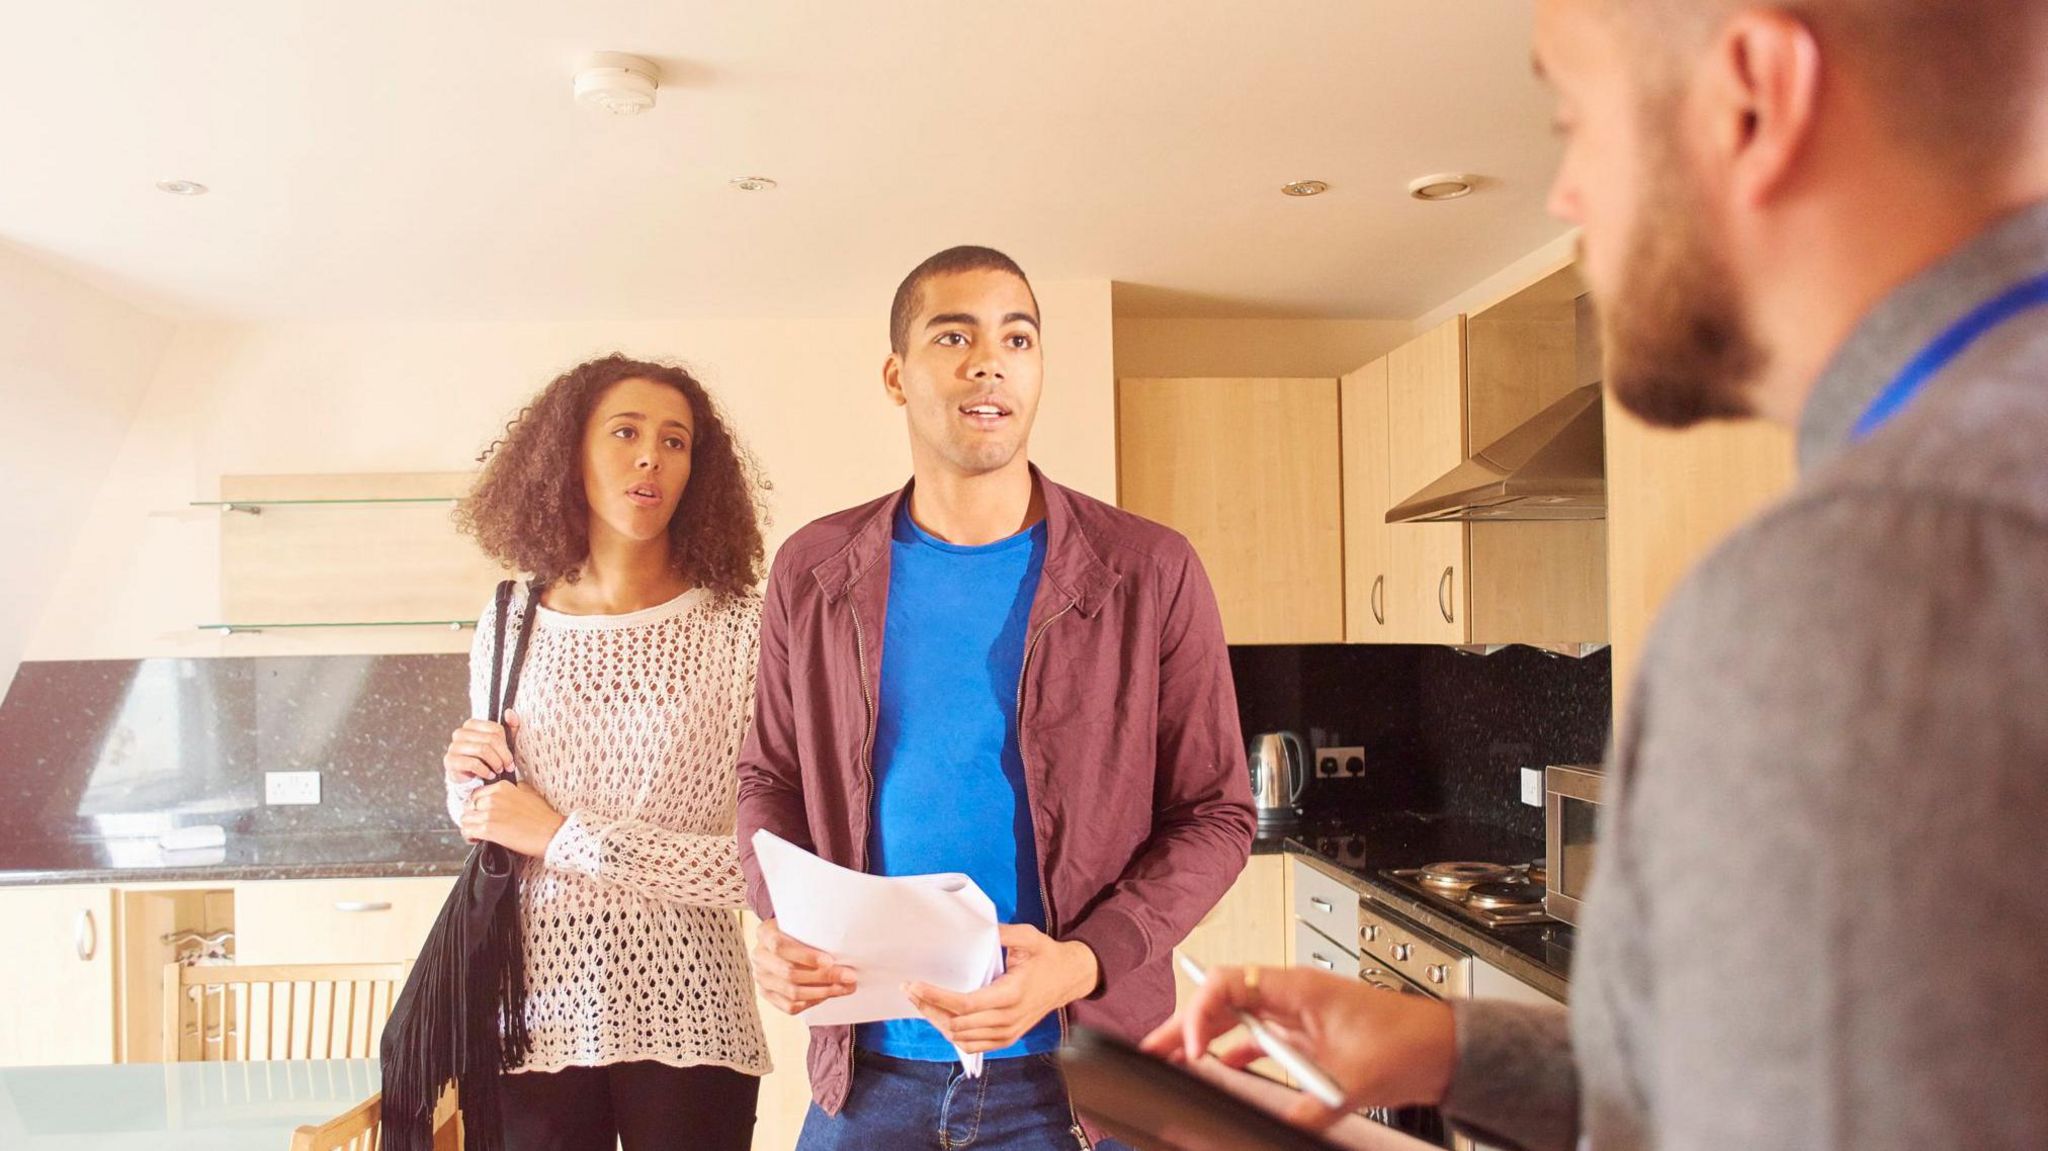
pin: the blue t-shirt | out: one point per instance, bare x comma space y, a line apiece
949, 779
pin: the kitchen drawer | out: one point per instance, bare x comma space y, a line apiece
1330, 905
1314, 949
336, 920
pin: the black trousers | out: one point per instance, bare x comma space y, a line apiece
644, 1106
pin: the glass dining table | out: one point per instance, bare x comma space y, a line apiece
176, 1106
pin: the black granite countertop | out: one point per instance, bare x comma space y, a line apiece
101, 758
305, 855
1356, 847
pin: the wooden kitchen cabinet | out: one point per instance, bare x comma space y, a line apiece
1453, 390
1368, 493
158, 925
1250, 471
336, 920
58, 1001
1671, 497
1248, 925
1427, 588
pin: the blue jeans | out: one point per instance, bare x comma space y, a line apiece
1016, 1104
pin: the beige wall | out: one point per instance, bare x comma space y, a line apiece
1199, 347
292, 398
74, 364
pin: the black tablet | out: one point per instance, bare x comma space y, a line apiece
1154, 1105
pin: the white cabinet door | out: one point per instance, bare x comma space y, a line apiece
57, 972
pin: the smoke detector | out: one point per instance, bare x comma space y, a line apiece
1443, 186
617, 83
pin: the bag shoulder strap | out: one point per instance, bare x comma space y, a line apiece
502, 609
518, 662
506, 672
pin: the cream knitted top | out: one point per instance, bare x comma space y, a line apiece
631, 727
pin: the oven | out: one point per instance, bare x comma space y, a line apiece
1394, 955
1571, 811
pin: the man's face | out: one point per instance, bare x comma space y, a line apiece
1678, 346
970, 372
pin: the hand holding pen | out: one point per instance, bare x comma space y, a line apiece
1346, 1040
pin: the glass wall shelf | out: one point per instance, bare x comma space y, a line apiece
255, 506
252, 628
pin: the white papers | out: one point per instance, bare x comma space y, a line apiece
936, 929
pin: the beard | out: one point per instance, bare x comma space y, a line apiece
1679, 350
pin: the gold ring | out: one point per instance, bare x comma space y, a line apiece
1251, 981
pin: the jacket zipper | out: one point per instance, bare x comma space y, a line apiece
1044, 895
860, 655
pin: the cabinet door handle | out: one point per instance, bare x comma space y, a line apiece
362, 905
1443, 595
86, 935
1321, 962
1379, 601
1322, 905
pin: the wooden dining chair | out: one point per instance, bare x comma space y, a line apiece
286, 1011
361, 1128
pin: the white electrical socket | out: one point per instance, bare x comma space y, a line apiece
291, 787
1532, 786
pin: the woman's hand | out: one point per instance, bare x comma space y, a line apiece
480, 749
1383, 1048
512, 815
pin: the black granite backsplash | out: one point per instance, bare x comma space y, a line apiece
123, 750
1444, 732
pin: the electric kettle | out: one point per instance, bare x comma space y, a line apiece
1280, 772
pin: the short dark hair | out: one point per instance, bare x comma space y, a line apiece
952, 261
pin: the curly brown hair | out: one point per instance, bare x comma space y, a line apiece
527, 509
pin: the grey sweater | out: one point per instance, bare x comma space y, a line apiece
1821, 901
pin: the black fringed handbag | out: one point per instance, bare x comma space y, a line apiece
462, 1015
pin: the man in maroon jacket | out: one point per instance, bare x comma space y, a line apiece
987, 672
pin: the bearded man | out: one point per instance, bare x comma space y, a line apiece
1817, 909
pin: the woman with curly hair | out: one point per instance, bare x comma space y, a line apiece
624, 494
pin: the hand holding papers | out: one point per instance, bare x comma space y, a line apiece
936, 929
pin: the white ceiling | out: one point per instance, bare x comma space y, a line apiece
408, 159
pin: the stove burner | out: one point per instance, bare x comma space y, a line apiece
1457, 876
1537, 870
1497, 895
1501, 897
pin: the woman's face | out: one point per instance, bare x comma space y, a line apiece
636, 458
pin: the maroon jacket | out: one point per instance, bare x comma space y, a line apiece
1133, 761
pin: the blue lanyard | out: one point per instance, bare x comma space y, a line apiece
2031, 293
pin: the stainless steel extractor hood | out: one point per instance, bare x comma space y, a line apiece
1552, 467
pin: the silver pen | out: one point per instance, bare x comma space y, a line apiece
1312, 1078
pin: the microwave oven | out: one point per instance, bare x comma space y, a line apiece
1571, 809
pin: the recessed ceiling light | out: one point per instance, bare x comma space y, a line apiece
1304, 188
181, 187
617, 83
753, 183
1443, 186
